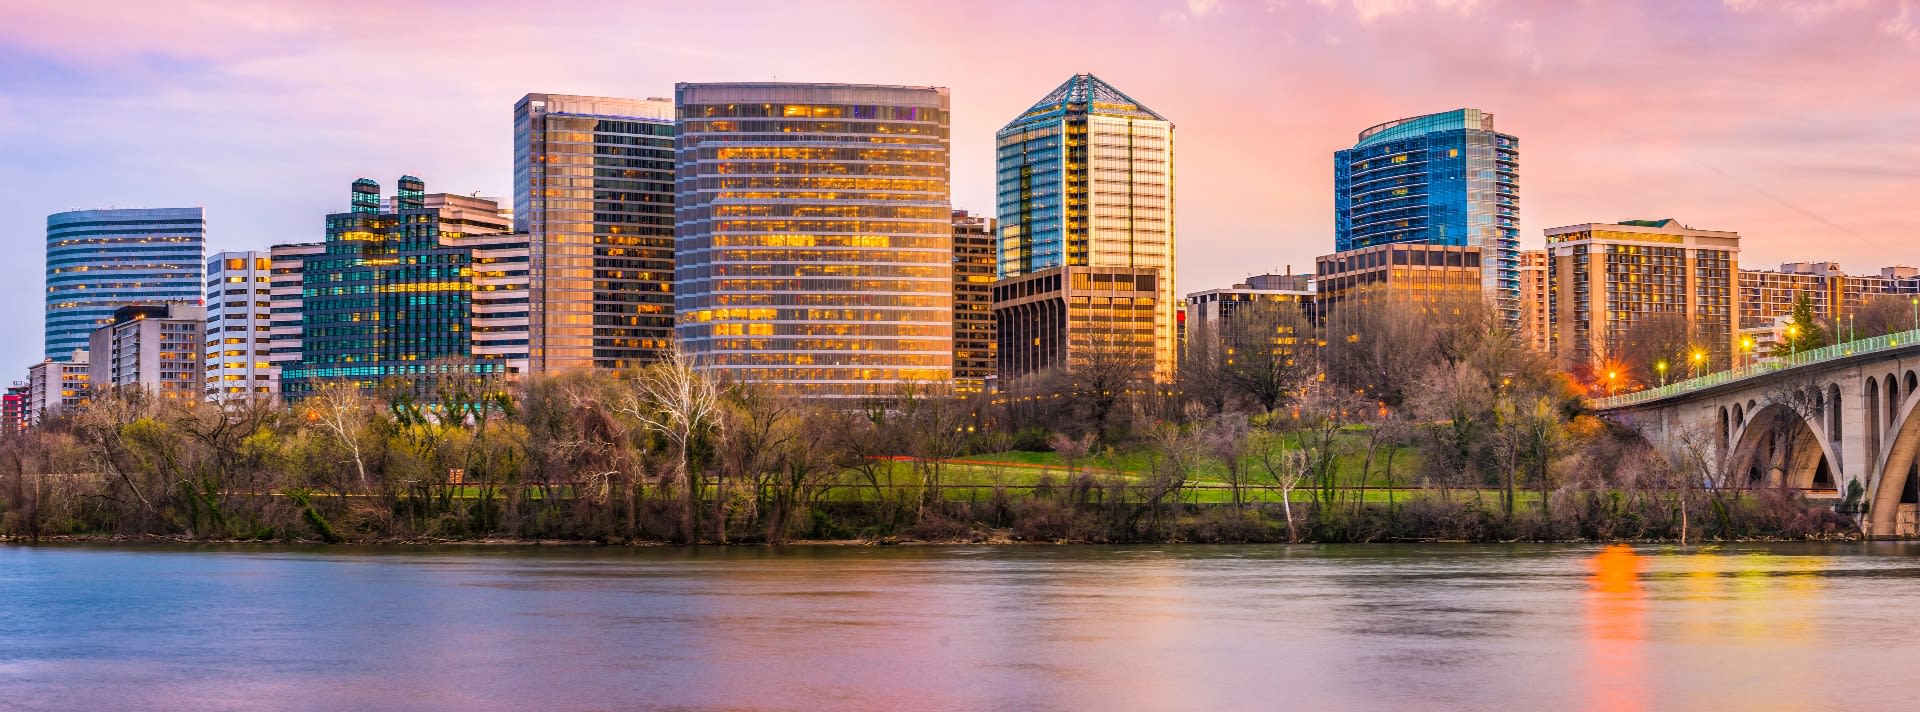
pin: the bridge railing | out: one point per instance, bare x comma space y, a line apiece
1803, 358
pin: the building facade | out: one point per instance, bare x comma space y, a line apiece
1416, 273
1536, 328
155, 347
815, 236
1608, 278
502, 325
1441, 179
1766, 295
14, 408
391, 296
101, 260
287, 263
594, 189
1085, 179
55, 386
239, 338
974, 349
1213, 309
1061, 320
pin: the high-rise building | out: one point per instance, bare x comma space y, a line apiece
239, 338
593, 189
501, 325
1085, 179
1607, 278
973, 271
1536, 329
1441, 179
56, 385
1417, 273
155, 347
101, 260
285, 284
392, 295
815, 236
13, 408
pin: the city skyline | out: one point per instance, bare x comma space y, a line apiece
1801, 152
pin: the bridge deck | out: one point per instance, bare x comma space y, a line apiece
1849, 349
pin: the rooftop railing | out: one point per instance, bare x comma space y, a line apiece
1809, 357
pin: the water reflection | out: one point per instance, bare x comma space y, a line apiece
1616, 608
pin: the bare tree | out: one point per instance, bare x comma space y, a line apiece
1883, 314
672, 398
342, 411
1273, 353
1286, 467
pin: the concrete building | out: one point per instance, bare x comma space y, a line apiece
1062, 318
101, 260
501, 318
155, 347
1607, 277
1536, 326
1769, 294
1441, 179
239, 339
14, 408
593, 188
1415, 272
1213, 309
974, 348
288, 263
1085, 179
815, 236
56, 386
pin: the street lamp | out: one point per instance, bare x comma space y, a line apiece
1661, 366
1611, 376
1793, 339
1699, 360
1746, 347
1916, 313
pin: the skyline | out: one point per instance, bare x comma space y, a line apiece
1794, 128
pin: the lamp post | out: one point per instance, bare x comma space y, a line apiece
1746, 347
1661, 366
1612, 376
1793, 339
1916, 313
1699, 360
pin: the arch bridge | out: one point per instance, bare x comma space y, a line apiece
1815, 421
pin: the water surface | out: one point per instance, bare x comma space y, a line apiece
1538, 627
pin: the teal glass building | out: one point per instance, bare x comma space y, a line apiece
1440, 179
101, 260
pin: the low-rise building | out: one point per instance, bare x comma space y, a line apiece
55, 386
1418, 273
1056, 319
152, 346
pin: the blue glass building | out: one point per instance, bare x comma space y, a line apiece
101, 260
1440, 179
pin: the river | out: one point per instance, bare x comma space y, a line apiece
1502, 627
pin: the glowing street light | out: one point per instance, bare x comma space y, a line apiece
1611, 377
1661, 366
1699, 361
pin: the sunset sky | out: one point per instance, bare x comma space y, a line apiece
1793, 122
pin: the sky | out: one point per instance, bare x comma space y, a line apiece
1794, 122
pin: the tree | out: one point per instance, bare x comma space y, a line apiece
1883, 314
1287, 468
1378, 343
342, 411
1805, 330
1204, 363
1103, 378
1273, 354
672, 398
1655, 348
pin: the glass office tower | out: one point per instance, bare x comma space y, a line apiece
1439, 179
391, 295
1085, 179
101, 260
814, 236
593, 188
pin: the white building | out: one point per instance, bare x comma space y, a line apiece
239, 321
54, 386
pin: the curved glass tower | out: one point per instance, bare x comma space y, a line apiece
814, 236
1439, 179
101, 260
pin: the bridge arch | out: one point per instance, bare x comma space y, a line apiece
1782, 445
1894, 499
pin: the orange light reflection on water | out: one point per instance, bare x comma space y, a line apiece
1616, 631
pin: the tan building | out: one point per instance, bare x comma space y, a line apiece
284, 284
1416, 272
973, 265
1767, 294
1066, 317
56, 386
1535, 325
1604, 278
155, 347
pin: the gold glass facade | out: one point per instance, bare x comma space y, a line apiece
593, 188
973, 265
1417, 272
814, 236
